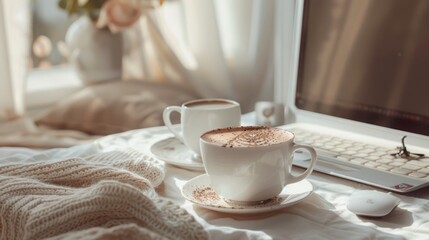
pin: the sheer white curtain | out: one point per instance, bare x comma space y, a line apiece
14, 40
220, 48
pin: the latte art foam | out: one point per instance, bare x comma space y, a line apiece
247, 136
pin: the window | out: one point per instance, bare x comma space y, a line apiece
50, 76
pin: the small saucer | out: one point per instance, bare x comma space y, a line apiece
174, 152
198, 191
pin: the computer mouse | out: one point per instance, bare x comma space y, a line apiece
371, 203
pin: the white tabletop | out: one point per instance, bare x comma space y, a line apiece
323, 215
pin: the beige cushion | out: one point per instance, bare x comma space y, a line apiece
115, 107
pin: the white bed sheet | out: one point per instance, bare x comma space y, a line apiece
323, 215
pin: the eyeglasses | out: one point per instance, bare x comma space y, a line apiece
404, 153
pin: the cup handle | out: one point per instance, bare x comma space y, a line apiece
167, 120
294, 179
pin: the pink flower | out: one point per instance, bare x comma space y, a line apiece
119, 14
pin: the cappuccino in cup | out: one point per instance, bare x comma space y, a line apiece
247, 136
251, 164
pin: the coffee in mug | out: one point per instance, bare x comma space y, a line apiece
202, 115
251, 164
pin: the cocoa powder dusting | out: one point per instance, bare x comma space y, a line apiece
207, 196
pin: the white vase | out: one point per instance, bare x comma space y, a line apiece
96, 54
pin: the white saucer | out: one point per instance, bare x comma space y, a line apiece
174, 152
198, 191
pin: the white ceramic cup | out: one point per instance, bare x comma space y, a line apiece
255, 172
269, 113
202, 115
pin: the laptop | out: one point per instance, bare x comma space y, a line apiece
354, 74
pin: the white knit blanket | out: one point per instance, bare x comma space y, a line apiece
104, 196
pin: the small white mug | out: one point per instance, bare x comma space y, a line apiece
251, 164
202, 115
269, 113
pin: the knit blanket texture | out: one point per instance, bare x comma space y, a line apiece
104, 196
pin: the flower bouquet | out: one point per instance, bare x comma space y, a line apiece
113, 14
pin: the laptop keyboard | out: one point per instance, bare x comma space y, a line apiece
362, 154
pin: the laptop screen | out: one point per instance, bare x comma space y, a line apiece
366, 61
